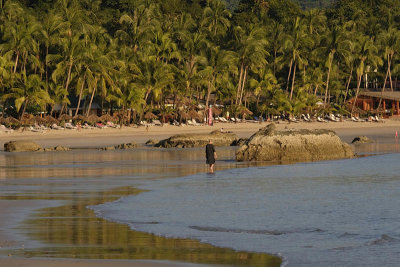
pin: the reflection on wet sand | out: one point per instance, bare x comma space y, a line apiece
89, 177
74, 231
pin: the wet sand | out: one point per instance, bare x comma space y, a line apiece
14, 211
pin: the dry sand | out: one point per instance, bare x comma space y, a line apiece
92, 138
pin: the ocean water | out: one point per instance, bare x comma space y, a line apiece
330, 213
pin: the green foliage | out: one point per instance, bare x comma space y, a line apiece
271, 55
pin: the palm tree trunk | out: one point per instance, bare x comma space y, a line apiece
290, 72
327, 79
244, 82
240, 83
358, 90
69, 75
348, 85
316, 89
390, 72
16, 62
80, 96
91, 98
383, 87
24, 109
293, 78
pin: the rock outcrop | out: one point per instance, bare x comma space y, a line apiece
198, 140
131, 145
361, 140
268, 144
21, 146
152, 142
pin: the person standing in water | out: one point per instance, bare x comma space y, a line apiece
211, 155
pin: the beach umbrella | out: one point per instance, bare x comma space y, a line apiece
150, 115
93, 118
65, 117
11, 120
79, 117
39, 120
216, 111
193, 114
27, 120
51, 120
245, 111
107, 117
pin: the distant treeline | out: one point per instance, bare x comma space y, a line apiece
267, 56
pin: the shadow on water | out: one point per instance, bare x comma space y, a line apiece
83, 178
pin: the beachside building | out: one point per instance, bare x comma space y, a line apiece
368, 100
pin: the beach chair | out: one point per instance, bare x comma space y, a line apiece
379, 120
56, 127
100, 125
157, 123
69, 125
4, 129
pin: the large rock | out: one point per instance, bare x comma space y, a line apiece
21, 146
198, 140
268, 144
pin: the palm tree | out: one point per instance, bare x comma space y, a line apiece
251, 51
221, 64
296, 42
390, 43
28, 90
366, 54
334, 46
216, 18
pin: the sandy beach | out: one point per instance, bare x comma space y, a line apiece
13, 211
94, 138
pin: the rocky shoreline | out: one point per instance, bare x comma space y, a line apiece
198, 140
269, 144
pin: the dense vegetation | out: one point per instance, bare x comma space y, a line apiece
268, 56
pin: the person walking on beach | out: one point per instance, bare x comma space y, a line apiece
211, 155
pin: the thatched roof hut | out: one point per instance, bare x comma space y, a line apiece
107, 117
51, 119
79, 117
93, 118
65, 117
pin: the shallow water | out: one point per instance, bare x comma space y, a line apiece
50, 192
333, 213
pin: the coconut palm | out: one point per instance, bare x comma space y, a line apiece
216, 18
296, 42
334, 46
251, 52
28, 90
366, 54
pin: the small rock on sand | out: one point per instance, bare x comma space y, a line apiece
361, 140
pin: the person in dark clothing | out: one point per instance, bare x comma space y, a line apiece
211, 155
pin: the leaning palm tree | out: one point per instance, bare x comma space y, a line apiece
334, 46
390, 43
367, 53
251, 52
296, 42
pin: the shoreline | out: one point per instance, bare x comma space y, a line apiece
96, 138
106, 137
